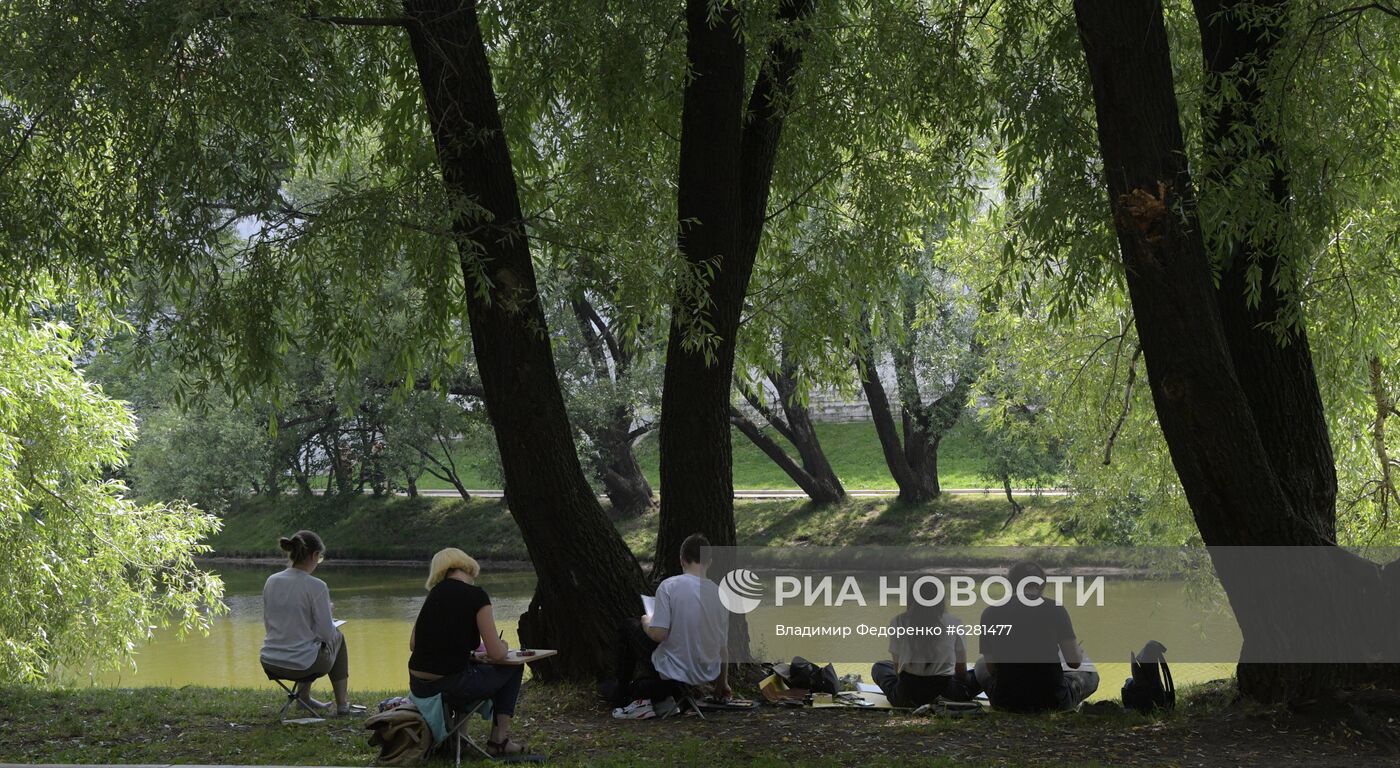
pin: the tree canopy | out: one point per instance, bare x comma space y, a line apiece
595, 209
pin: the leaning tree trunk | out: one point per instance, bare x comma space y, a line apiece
588, 580
797, 426
912, 488
1211, 428
811, 471
726, 166
817, 491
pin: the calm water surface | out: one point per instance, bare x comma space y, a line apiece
380, 604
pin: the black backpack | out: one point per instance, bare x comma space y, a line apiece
804, 674
1151, 685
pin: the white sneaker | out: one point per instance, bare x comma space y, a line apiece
640, 709
666, 707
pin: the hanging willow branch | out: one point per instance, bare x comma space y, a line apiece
1127, 406
1385, 486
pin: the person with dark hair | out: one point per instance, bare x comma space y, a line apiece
681, 644
926, 654
1035, 666
302, 641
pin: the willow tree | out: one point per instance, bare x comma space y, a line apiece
91, 573
164, 142
727, 155
1247, 188
845, 128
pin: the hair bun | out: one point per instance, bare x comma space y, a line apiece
285, 544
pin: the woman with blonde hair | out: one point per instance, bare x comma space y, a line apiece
454, 620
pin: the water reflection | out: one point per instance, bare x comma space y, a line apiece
380, 604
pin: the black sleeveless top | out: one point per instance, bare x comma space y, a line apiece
445, 633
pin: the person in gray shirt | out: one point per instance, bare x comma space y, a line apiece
302, 642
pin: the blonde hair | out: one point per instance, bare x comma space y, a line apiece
448, 560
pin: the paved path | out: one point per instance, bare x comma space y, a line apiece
777, 493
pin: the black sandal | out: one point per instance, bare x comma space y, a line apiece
498, 750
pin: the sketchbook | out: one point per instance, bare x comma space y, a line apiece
648, 605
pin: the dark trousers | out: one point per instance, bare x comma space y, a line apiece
637, 678
906, 690
335, 663
498, 682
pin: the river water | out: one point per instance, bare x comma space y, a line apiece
379, 604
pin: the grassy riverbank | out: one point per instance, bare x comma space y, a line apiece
239, 726
412, 529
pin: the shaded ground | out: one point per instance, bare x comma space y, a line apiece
194, 725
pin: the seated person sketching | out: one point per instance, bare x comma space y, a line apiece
1022, 669
455, 619
682, 644
301, 641
926, 654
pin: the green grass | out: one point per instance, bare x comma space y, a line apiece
566, 723
360, 527
239, 726
853, 450
413, 529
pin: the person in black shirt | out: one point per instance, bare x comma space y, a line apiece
1021, 668
454, 620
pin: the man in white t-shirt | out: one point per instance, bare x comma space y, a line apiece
685, 640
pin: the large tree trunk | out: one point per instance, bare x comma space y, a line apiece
726, 167
588, 579
1287, 404
1229, 474
925, 424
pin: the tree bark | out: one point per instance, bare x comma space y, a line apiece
588, 579
697, 488
614, 460
1229, 475
1287, 404
925, 424
626, 486
726, 166
920, 443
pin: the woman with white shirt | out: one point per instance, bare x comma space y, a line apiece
302, 642
926, 654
